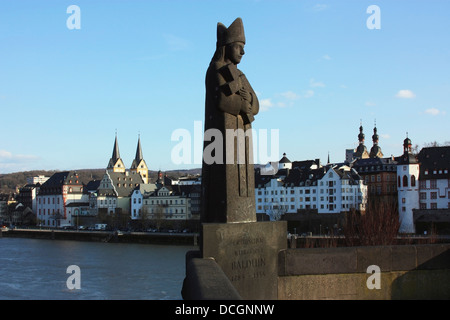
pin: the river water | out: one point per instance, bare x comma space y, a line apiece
38, 269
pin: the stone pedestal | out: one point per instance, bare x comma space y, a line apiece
248, 255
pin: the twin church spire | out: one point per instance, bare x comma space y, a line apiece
361, 151
116, 164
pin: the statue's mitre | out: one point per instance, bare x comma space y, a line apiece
234, 33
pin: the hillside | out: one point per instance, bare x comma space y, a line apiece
9, 182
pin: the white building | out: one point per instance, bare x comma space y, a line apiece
38, 179
137, 199
407, 187
57, 197
161, 204
308, 185
434, 178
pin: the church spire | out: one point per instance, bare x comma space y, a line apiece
361, 150
139, 164
375, 151
116, 153
139, 156
115, 163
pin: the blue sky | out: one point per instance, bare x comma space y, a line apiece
138, 67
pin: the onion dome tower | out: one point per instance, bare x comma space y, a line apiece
361, 151
375, 151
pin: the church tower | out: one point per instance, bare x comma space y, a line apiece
408, 187
375, 151
115, 163
361, 150
139, 164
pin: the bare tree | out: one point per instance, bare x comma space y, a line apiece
378, 226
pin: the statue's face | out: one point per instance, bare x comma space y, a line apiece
235, 51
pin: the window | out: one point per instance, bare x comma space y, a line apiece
413, 181
433, 184
422, 184
405, 181
423, 206
433, 195
423, 196
399, 182
433, 205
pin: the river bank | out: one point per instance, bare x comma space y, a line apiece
105, 236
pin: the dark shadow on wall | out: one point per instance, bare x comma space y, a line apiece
428, 275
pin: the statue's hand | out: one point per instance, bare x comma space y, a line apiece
245, 95
246, 107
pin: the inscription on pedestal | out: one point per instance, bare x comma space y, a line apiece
248, 254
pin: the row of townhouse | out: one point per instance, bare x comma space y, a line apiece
306, 185
62, 200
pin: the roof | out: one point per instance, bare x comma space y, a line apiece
434, 163
54, 184
305, 164
93, 185
304, 176
146, 188
374, 165
284, 159
124, 183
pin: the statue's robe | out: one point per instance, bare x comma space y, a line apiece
228, 184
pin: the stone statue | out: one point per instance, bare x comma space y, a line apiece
228, 191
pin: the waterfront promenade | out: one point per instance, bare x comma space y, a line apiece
105, 236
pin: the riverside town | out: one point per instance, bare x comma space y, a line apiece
315, 198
